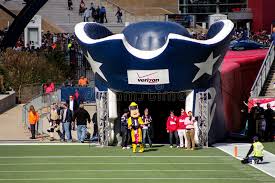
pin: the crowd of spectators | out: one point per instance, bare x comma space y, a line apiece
97, 14
50, 41
261, 37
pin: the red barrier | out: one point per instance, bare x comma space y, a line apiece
238, 73
263, 102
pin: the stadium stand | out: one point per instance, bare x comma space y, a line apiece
58, 13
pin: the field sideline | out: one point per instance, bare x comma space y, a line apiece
81, 164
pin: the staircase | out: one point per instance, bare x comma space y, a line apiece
263, 85
269, 87
56, 11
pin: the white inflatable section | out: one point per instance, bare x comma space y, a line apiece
112, 104
189, 102
83, 37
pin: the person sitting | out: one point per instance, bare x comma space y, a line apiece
256, 149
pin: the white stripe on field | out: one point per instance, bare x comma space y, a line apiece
49, 144
61, 171
137, 156
30, 164
133, 178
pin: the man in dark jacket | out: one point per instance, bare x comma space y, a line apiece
124, 129
73, 106
269, 118
81, 116
66, 116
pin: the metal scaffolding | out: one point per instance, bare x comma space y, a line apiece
102, 117
203, 117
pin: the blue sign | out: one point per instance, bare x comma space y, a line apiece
81, 94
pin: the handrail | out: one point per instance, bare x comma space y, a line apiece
263, 72
116, 5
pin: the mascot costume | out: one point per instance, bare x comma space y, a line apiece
135, 124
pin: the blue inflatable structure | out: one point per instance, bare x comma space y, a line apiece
158, 57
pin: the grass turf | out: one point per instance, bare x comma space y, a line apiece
81, 164
270, 146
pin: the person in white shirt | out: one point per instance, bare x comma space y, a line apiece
86, 15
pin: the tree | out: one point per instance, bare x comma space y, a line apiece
28, 68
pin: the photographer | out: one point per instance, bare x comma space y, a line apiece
54, 121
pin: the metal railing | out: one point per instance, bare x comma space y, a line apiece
263, 73
41, 104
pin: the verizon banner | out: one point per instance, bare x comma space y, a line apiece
148, 77
263, 102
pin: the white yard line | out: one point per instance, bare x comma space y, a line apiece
106, 163
269, 158
131, 156
47, 144
154, 170
133, 178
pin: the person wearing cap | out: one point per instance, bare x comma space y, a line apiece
81, 116
66, 120
256, 149
124, 129
135, 124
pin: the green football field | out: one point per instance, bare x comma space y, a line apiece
81, 164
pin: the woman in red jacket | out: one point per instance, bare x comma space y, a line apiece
181, 128
171, 127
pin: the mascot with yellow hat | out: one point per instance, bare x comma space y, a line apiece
135, 124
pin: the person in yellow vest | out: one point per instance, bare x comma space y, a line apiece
135, 124
256, 149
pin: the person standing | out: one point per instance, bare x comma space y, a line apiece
81, 116
269, 118
92, 9
147, 119
70, 4
124, 129
33, 119
73, 106
81, 7
119, 15
86, 15
54, 120
102, 15
273, 36
171, 127
94, 120
66, 119
182, 128
257, 116
97, 14
190, 131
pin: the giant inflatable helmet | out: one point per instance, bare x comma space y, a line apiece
146, 54
158, 57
